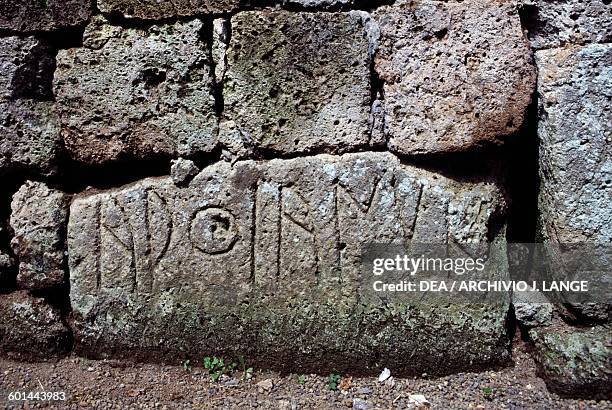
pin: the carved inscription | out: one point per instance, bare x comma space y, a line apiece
131, 238
117, 259
213, 230
267, 251
297, 224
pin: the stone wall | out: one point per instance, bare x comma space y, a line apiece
190, 178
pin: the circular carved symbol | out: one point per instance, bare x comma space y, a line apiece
213, 230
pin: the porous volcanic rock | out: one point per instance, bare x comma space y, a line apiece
29, 130
532, 309
30, 328
182, 170
263, 259
575, 89
154, 9
38, 219
575, 362
136, 93
457, 75
43, 15
298, 82
556, 23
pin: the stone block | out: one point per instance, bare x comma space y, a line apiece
30, 328
263, 259
297, 82
136, 93
456, 75
29, 128
575, 89
154, 9
43, 15
38, 219
575, 362
557, 23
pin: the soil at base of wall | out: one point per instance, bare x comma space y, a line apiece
112, 384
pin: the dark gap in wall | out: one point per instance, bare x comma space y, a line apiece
117, 19
371, 5
511, 325
530, 21
76, 177
377, 91
574, 316
207, 37
528, 13
205, 159
33, 78
377, 115
58, 297
66, 38
482, 164
269, 153
522, 157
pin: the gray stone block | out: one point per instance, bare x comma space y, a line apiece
262, 259
29, 129
43, 15
297, 82
30, 328
38, 220
136, 93
154, 9
575, 362
457, 75
557, 23
575, 89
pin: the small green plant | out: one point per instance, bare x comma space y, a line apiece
216, 367
301, 379
332, 381
44, 3
187, 365
487, 392
247, 372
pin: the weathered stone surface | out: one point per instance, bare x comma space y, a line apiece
575, 362
555, 23
5, 261
456, 75
532, 309
298, 82
6, 270
43, 15
30, 328
136, 93
220, 42
38, 219
262, 259
27, 68
183, 170
154, 9
29, 137
29, 131
575, 89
